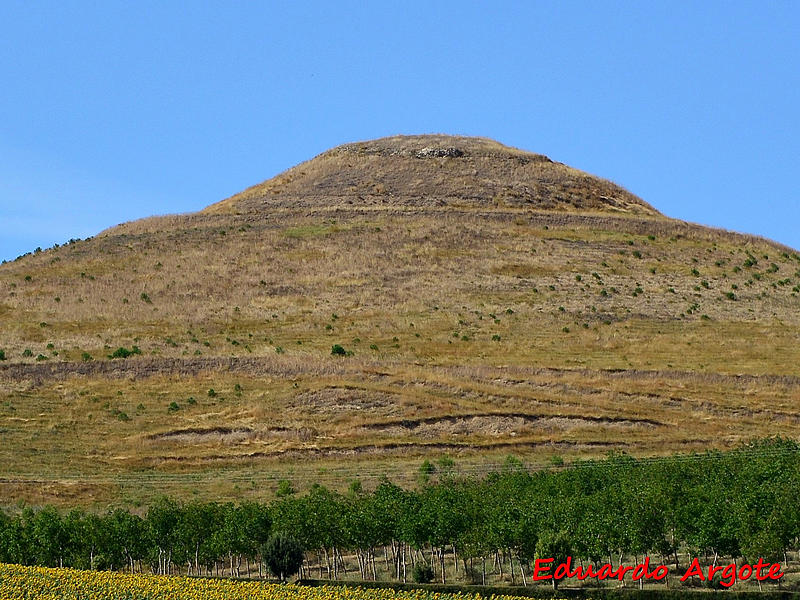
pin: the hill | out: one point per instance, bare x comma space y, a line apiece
487, 301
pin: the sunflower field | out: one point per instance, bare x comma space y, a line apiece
17, 582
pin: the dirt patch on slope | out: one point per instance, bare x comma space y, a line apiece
199, 434
342, 400
492, 424
233, 435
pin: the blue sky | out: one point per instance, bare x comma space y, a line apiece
115, 111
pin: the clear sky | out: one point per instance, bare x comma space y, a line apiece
111, 111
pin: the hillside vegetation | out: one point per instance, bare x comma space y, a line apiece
384, 302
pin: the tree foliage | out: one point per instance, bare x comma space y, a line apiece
283, 555
741, 503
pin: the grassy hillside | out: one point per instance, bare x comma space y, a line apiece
488, 302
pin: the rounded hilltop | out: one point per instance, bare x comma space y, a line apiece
417, 171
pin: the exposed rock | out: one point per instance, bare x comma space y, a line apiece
439, 153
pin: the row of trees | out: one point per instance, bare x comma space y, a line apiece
742, 503
204, 537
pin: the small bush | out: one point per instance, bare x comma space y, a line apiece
123, 352
27, 353
284, 489
173, 407
86, 357
2, 354
426, 469
422, 573
338, 350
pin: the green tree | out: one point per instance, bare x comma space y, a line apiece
555, 546
283, 555
128, 534
195, 531
163, 518
49, 538
256, 525
14, 541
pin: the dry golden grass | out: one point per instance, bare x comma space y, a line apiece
480, 325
